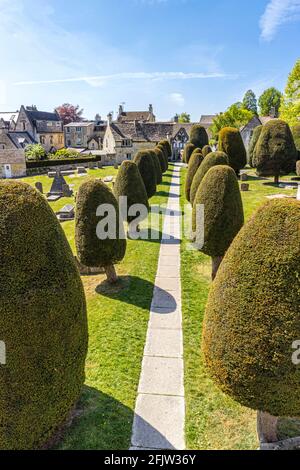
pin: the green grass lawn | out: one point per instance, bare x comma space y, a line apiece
118, 320
213, 420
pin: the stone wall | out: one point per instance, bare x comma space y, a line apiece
72, 135
16, 159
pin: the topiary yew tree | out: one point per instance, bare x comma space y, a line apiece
198, 136
296, 135
253, 316
206, 150
231, 142
167, 146
43, 321
97, 208
130, 184
146, 168
252, 145
158, 172
161, 157
187, 153
194, 163
212, 159
220, 195
275, 152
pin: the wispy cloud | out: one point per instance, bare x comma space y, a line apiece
177, 98
101, 80
277, 13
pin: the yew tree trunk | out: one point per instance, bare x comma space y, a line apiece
276, 179
111, 274
215, 266
267, 427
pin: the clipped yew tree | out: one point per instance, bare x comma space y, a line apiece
158, 172
231, 142
212, 159
161, 157
275, 152
147, 170
198, 136
296, 136
252, 316
188, 150
206, 150
99, 235
220, 195
165, 155
43, 321
252, 144
130, 184
194, 163
166, 144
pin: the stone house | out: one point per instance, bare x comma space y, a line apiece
12, 154
206, 120
247, 130
131, 116
86, 135
45, 128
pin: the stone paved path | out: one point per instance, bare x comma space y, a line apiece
160, 407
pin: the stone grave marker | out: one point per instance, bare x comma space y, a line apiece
244, 177
39, 186
245, 187
66, 213
81, 170
67, 191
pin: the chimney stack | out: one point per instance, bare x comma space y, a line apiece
150, 108
109, 118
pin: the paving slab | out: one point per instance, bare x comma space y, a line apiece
162, 376
169, 261
168, 271
164, 343
162, 318
169, 284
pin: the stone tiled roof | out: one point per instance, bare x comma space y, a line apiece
128, 116
35, 115
147, 131
207, 119
21, 139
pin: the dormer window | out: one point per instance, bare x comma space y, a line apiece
126, 143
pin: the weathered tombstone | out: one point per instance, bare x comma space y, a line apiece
39, 186
51, 174
66, 213
57, 187
81, 170
91, 165
244, 187
67, 192
99, 165
244, 177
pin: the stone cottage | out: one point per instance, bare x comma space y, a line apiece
247, 130
45, 128
85, 135
12, 154
131, 116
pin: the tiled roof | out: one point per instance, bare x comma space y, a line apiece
21, 139
207, 119
147, 131
80, 124
134, 116
35, 115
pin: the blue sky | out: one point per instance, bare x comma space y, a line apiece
180, 55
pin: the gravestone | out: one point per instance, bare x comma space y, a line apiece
91, 165
51, 174
67, 191
108, 179
244, 187
39, 186
244, 177
57, 185
99, 165
66, 213
81, 170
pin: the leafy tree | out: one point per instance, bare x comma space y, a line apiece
290, 104
296, 135
69, 113
250, 101
35, 152
270, 99
184, 118
235, 116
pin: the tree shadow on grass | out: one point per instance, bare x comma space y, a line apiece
103, 423
166, 194
136, 291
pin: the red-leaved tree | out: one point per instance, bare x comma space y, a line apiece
69, 113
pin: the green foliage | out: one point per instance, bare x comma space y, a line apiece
298, 168
206, 150
235, 116
231, 143
296, 135
35, 152
219, 192
65, 153
290, 104
252, 145
270, 99
162, 159
146, 168
194, 163
158, 172
92, 251
184, 118
250, 101
275, 152
198, 136
129, 183
252, 315
166, 144
42, 321
187, 153
212, 159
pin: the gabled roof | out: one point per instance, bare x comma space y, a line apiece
34, 115
21, 139
147, 131
207, 119
128, 116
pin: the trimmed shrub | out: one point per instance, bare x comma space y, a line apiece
187, 153
161, 157
206, 150
166, 144
146, 168
252, 316
165, 154
296, 135
198, 136
158, 172
252, 145
219, 192
43, 321
194, 163
231, 143
298, 168
275, 152
129, 183
91, 250
212, 159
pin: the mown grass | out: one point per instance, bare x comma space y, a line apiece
118, 319
213, 420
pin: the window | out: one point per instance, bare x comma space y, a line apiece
68, 129
51, 139
128, 156
24, 125
43, 139
78, 141
126, 143
2, 146
78, 129
60, 140
68, 143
